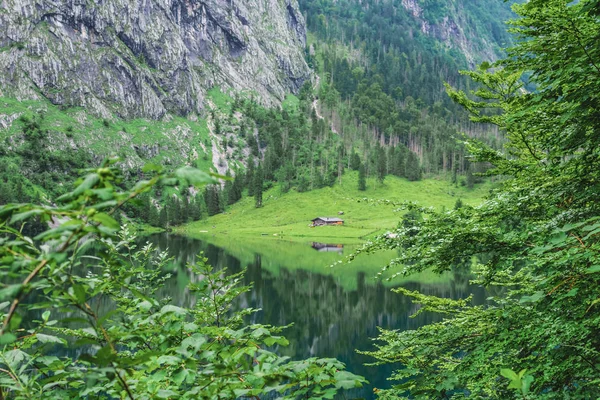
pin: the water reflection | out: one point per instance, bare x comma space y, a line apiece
324, 247
330, 319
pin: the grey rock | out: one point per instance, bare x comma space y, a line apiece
148, 58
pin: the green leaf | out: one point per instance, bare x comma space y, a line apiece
79, 293
90, 181
346, 380
509, 374
42, 338
25, 215
107, 221
194, 176
169, 360
7, 338
526, 384
593, 269
166, 394
150, 167
173, 309
533, 298
181, 376
10, 291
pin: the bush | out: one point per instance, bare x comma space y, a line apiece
126, 341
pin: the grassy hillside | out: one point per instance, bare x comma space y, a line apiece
174, 141
288, 215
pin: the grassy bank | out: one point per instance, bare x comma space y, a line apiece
288, 215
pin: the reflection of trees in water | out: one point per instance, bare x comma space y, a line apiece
329, 320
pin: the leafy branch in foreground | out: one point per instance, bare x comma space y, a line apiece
83, 317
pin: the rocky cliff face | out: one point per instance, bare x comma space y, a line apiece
452, 30
148, 58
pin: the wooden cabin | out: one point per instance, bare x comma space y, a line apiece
321, 221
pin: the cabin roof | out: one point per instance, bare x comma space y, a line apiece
329, 219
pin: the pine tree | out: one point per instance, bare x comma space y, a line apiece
362, 179
381, 164
458, 204
399, 161
470, 178
173, 211
413, 169
258, 186
163, 218
213, 200
235, 191
354, 161
194, 209
228, 188
153, 216
184, 215
250, 177
201, 204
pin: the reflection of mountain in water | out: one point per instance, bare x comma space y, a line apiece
323, 247
329, 320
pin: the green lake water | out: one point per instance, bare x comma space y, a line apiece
334, 310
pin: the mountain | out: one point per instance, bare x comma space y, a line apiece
147, 58
230, 85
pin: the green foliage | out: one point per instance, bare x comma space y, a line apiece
101, 307
258, 186
535, 240
382, 75
362, 179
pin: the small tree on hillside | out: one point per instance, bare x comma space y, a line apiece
381, 164
362, 179
258, 186
354, 161
413, 168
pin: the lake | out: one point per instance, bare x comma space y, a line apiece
334, 310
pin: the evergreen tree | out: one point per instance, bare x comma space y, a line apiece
470, 178
163, 218
454, 178
153, 216
381, 164
458, 204
213, 200
173, 211
362, 179
194, 209
235, 192
258, 186
354, 161
250, 177
184, 215
227, 189
413, 168
201, 206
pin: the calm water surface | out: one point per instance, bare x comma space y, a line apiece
334, 310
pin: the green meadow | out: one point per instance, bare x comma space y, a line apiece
289, 215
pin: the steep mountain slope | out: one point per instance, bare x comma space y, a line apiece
146, 58
150, 81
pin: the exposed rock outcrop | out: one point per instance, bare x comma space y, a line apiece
147, 58
450, 30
